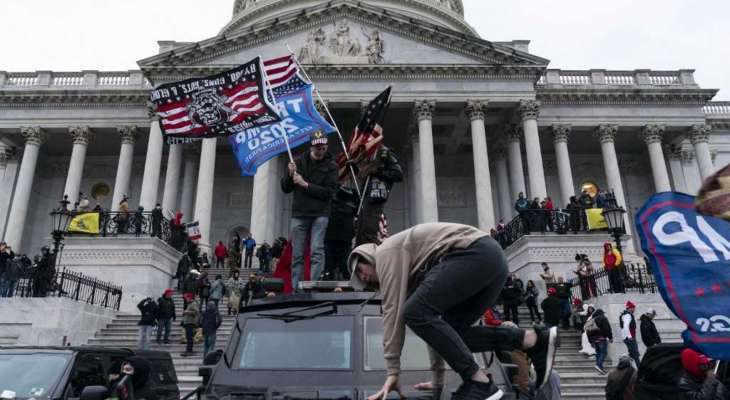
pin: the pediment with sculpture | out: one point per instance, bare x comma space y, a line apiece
339, 44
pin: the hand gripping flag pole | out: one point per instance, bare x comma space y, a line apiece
329, 114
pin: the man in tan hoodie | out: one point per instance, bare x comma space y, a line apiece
439, 279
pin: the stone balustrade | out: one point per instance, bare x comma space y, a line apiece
600, 78
717, 109
83, 79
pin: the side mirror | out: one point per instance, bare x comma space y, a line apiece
94, 393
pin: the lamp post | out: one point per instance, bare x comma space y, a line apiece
60, 218
614, 218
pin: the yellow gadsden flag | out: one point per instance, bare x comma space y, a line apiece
84, 223
595, 219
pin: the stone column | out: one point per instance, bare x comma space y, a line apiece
476, 110
417, 214
81, 137
516, 170
692, 176
172, 178
204, 194
674, 155
262, 214
503, 190
429, 200
152, 162
562, 156
700, 137
652, 135
34, 137
607, 135
529, 111
128, 135
8, 172
187, 198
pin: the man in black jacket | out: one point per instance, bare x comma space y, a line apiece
340, 230
600, 338
148, 308
157, 218
165, 315
649, 334
313, 181
552, 308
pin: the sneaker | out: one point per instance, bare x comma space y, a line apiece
600, 370
543, 354
470, 390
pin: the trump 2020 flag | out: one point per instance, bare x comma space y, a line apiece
299, 118
690, 258
217, 105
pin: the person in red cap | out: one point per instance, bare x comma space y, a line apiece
165, 315
627, 322
552, 307
698, 382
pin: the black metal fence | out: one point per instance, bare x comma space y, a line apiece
139, 223
69, 284
630, 278
533, 221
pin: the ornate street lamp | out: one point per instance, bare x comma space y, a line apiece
614, 218
60, 218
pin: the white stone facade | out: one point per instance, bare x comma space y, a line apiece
540, 130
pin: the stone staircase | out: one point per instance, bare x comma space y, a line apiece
124, 332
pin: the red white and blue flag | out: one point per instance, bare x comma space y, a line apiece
219, 105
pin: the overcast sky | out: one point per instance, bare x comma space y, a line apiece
574, 34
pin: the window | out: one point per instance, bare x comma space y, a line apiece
320, 343
31, 375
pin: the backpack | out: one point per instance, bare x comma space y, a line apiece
590, 327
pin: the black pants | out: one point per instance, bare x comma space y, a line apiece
189, 335
335, 258
510, 313
616, 280
369, 222
247, 262
534, 311
220, 262
453, 295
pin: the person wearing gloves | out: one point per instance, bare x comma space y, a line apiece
649, 334
698, 382
627, 322
439, 279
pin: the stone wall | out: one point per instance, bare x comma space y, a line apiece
46, 321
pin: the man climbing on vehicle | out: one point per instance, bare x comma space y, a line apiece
439, 279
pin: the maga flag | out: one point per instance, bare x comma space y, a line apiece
368, 134
217, 105
690, 257
84, 223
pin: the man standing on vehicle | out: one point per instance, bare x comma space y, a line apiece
627, 322
439, 279
313, 181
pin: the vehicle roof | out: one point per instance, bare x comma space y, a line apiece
74, 349
303, 299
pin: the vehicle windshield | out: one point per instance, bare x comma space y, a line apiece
414, 356
321, 343
25, 376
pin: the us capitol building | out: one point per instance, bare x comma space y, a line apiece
474, 122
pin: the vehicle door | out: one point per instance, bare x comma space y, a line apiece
88, 370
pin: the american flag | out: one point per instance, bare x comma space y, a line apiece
218, 105
368, 134
382, 228
279, 70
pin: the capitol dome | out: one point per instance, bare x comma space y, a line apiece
446, 13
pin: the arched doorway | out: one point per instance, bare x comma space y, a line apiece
237, 231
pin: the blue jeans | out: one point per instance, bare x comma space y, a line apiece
315, 227
163, 324
10, 288
144, 336
565, 315
208, 343
601, 352
633, 348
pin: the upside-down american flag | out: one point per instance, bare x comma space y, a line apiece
222, 104
368, 134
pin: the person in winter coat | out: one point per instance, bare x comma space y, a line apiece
340, 231
253, 289
585, 345
531, 295
312, 179
210, 322
512, 298
220, 255
165, 315
249, 246
552, 308
438, 279
13, 273
6, 257
613, 263
147, 321
234, 286
183, 267
264, 255
203, 289
698, 382
627, 322
189, 286
217, 290
157, 218
621, 381
574, 211
599, 334
191, 319
649, 334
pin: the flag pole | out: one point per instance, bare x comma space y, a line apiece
329, 114
276, 107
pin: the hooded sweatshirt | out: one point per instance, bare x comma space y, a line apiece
694, 384
397, 261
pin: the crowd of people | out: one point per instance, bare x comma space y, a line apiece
38, 275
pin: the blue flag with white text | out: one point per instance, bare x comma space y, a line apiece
299, 118
689, 255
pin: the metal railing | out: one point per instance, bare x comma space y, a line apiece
134, 223
68, 284
629, 278
539, 221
